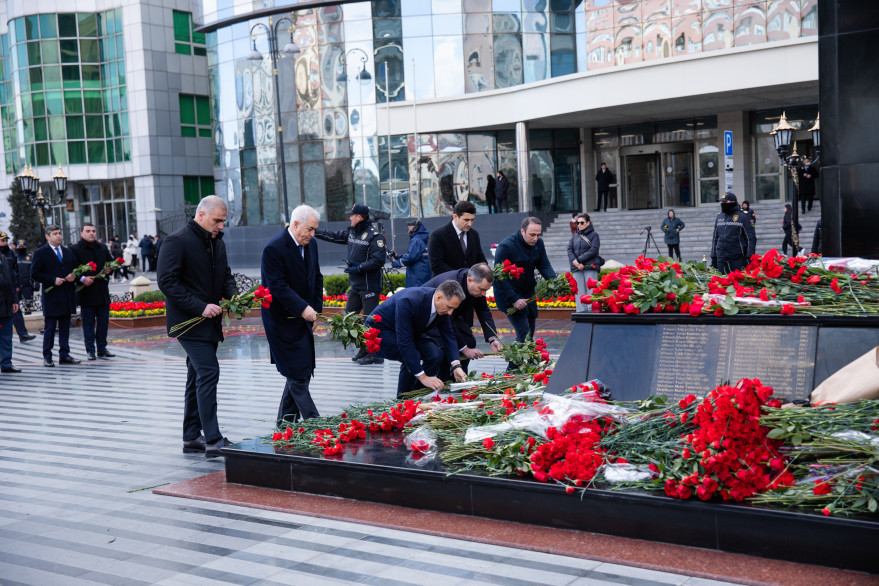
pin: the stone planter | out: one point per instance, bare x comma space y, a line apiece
128, 323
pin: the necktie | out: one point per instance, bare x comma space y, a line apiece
301, 251
463, 242
60, 256
430, 319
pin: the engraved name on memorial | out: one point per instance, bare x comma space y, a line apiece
693, 359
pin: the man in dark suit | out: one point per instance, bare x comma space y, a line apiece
456, 245
8, 254
52, 267
475, 282
500, 192
403, 324
603, 178
194, 275
94, 299
807, 175
8, 308
291, 271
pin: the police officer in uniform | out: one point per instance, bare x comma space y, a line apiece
366, 258
734, 240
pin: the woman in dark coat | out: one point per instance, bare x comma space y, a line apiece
489, 194
672, 227
583, 254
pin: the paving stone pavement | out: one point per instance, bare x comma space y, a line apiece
81, 446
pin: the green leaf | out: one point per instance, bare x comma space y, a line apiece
797, 439
228, 319
871, 505
353, 333
776, 433
859, 502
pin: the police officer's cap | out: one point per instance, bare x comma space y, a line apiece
359, 209
4, 236
728, 197
413, 222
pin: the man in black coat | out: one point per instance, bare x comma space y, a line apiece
500, 193
734, 240
8, 308
367, 254
94, 298
8, 255
475, 282
146, 252
52, 267
603, 179
194, 275
291, 271
456, 245
807, 175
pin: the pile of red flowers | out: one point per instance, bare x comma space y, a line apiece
540, 347
726, 448
572, 452
507, 270
394, 418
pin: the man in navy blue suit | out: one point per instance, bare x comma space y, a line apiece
405, 319
53, 268
291, 271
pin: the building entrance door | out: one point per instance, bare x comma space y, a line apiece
677, 179
643, 177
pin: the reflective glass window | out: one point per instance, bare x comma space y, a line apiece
417, 26
562, 55
448, 55
88, 24
535, 48
415, 7
508, 61
478, 63
447, 24
32, 27
48, 26
49, 52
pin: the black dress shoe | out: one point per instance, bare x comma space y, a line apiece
92, 356
10, 369
106, 354
192, 446
26, 337
68, 360
371, 359
48, 362
212, 450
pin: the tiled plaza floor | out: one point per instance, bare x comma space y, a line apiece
82, 446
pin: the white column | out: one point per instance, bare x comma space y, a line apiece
523, 159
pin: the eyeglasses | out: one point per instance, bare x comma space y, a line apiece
581, 222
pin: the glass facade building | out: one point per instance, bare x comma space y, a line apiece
337, 141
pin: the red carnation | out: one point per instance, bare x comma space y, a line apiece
787, 309
377, 319
488, 443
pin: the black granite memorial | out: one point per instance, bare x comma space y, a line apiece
635, 357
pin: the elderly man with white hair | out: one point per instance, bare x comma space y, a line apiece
194, 275
291, 271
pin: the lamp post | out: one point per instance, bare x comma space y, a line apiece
783, 135
363, 76
30, 186
291, 49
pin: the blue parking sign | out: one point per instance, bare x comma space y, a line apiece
727, 143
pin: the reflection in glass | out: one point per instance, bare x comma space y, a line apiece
309, 125
482, 164
475, 24
783, 20
599, 49
562, 56
332, 90
657, 40
478, 64
447, 24
507, 164
507, 61
809, 17
687, 34
750, 25
542, 182
506, 23
678, 187
534, 48
307, 76
453, 180
535, 22
339, 188
627, 46
389, 53
448, 58
420, 79
709, 190
717, 30
768, 188
452, 142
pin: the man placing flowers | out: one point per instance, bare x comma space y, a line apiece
94, 295
291, 271
403, 322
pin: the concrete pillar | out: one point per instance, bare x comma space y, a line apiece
742, 183
587, 169
523, 160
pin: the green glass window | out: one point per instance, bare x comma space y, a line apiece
186, 40
126, 149
48, 26
88, 51
19, 30
67, 27
195, 116
203, 110
182, 48
52, 77
56, 128
97, 151
70, 76
120, 47
73, 102
37, 104
40, 132
36, 76
69, 51
187, 131
91, 76
76, 152
88, 24
181, 26
54, 104
49, 50
59, 153
21, 50
42, 152
207, 186
120, 65
25, 80
33, 53
187, 109
75, 128
27, 109
124, 124
94, 127
110, 127
31, 27
92, 101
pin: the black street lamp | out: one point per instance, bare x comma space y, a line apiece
30, 186
783, 135
290, 49
363, 76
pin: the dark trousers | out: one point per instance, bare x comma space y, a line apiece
62, 323
428, 349
18, 322
603, 196
525, 323
788, 239
502, 205
672, 249
728, 266
806, 199
296, 402
492, 203
95, 321
200, 398
5, 342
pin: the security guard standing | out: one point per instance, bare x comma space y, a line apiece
734, 240
367, 252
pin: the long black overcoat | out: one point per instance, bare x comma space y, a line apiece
61, 300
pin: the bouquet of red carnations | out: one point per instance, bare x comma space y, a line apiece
236, 307
109, 267
348, 328
562, 285
79, 271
